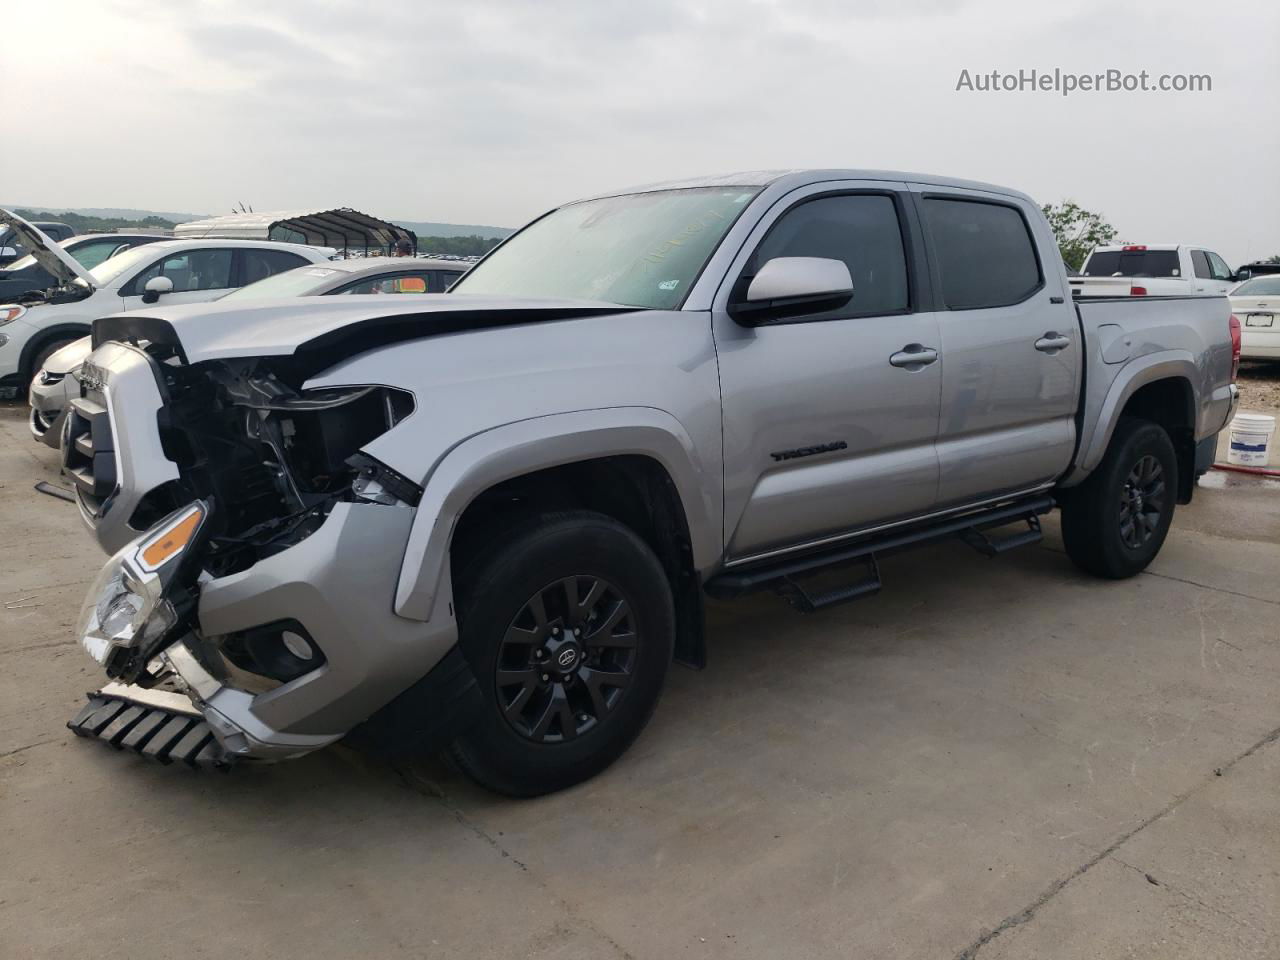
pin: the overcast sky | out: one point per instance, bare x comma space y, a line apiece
491, 111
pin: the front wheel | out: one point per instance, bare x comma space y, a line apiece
1114, 523
569, 628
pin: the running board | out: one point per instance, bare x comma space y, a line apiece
782, 574
149, 726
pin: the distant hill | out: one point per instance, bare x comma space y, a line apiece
421, 228
109, 213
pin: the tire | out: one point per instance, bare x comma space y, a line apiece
536, 736
45, 352
1106, 529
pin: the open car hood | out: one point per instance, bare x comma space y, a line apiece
321, 330
48, 253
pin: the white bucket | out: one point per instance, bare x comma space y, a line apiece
1250, 440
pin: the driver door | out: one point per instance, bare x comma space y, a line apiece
198, 276
828, 425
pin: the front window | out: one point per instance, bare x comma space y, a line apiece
1258, 287
637, 250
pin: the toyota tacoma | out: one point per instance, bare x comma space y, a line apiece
485, 523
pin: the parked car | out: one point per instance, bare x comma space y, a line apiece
13, 247
1155, 269
89, 250
356, 276
1259, 268
55, 383
177, 271
488, 519
1256, 303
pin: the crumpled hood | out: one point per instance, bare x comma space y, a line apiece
48, 253
338, 326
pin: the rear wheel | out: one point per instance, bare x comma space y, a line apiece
569, 628
1115, 522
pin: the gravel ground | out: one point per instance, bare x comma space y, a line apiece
1260, 386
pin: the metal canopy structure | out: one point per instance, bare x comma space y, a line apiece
345, 229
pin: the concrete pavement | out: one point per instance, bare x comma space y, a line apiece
1000, 759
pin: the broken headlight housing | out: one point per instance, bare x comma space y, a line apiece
137, 600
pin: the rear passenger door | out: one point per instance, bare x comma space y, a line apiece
1009, 343
829, 425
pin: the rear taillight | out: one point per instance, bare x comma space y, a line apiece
1235, 346
1136, 291
1134, 247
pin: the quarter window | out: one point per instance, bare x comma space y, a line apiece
985, 254
860, 229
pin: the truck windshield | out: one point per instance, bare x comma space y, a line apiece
1132, 263
637, 250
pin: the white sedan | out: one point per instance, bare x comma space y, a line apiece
179, 271
1256, 303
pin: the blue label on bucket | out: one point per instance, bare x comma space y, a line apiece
1248, 447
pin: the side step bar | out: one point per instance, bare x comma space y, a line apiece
970, 527
149, 725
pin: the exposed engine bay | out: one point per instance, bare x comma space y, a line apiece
270, 457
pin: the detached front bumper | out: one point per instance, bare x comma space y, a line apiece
336, 588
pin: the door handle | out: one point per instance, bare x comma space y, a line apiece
1052, 342
913, 356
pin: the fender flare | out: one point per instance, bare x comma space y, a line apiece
525, 446
1165, 365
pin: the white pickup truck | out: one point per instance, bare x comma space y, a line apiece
1152, 269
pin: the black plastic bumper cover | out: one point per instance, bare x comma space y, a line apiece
150, 731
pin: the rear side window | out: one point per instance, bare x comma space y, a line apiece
985, 253
392, 283
1132, 263
259, 264
1200, 264
863, 231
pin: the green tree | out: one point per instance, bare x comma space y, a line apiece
1077, 230
1274, 258
472, 246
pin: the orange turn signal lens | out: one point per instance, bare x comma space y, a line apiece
171, 541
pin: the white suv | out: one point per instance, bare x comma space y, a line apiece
175, 271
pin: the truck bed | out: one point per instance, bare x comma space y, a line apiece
1131, 341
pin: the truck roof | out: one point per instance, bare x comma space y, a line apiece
802, 177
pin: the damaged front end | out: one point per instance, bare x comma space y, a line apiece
255, 548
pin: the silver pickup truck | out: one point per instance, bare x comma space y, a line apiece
486, 523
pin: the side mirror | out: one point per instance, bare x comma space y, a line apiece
1240, 275
793, 287
156, 286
